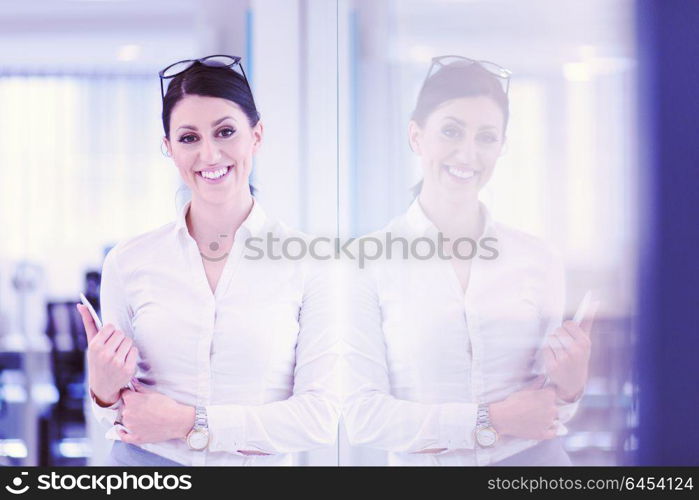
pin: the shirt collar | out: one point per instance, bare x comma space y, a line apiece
180, 223
255, 219
418, 220
253, 223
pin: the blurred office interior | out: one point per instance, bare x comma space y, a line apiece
335, 81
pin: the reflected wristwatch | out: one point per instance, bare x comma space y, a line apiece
486, 436
198, 437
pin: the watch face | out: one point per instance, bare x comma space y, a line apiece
486, 436
198, 439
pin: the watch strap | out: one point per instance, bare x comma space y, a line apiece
483, 419
484, 426
200, 418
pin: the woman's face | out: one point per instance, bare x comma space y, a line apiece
459, 144
212, 145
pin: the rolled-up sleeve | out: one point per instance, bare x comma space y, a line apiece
115, 309
309, 418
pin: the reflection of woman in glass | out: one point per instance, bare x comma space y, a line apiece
237, 354
441, 352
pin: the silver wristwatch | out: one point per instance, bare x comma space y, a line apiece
198, 437
486, 436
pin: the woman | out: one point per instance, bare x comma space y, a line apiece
236, 347
440, 360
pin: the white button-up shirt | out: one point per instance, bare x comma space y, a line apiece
420, 355
259, 353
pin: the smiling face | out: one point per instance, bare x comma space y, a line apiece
459, 145
212, 145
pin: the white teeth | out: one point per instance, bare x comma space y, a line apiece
461, 174
215, 174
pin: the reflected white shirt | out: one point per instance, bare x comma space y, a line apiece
259, 354
420, 354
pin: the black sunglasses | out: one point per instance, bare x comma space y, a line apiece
492, 68
214, 61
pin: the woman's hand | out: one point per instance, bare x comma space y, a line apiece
567, 356
111, 359
529, 413
151, 417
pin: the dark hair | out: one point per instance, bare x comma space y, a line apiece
458, 80
209, 81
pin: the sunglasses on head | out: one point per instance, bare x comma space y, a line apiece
460, 61
214, 61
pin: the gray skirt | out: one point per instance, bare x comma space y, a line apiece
549, 452
129, 455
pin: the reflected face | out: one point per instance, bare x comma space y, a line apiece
212, 145
459, 144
